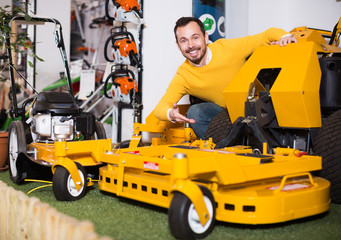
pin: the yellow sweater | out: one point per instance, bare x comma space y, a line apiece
208, 82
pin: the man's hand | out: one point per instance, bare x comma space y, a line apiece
176, 116
285, 40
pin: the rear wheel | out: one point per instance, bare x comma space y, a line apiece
327, 144
16, 145
64, 188
219, 127
183, 219
99, 131
126, 144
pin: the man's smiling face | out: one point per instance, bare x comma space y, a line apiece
192, 43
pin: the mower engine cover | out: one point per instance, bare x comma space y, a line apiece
56, 127
55, 103
55, 115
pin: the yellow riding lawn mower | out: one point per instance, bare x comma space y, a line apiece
285, 105
289, 97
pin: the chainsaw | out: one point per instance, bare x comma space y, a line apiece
123, 11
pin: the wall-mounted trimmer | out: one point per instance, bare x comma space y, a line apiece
123, 86
123, 11
123, 49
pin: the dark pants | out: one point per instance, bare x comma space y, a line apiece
202, 113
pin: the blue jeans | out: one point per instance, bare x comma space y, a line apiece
202, 113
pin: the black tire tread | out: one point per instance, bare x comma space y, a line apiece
219, 127
100, 131
327, 144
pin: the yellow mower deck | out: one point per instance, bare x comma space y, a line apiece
247, 188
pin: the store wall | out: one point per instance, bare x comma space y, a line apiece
292, 13
253, 16
48, 71
4, 3
236, 18
161, 56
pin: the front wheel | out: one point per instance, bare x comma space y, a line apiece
64, 187
183, 219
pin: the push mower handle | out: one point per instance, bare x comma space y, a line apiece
59, 41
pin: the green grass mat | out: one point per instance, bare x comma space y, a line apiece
124, 219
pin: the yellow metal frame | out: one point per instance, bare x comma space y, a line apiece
234, 175
169, 133
65, 154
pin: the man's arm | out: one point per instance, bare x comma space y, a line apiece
175, 91
247, 45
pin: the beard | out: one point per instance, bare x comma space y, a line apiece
195, 60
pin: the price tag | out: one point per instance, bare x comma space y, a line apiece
87, 84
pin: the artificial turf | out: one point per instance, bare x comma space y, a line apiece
125, 219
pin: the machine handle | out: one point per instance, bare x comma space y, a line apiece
285, 178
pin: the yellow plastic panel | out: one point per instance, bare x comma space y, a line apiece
295, 93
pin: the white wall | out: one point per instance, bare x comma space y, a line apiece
253, 16
237, 16
48, 71
4, 3
161, 56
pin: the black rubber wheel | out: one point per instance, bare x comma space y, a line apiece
16, 145
123, 144
126, 143
183, 219
99, 131
327, 144
64, 187
219, 127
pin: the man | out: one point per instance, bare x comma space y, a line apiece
207, 70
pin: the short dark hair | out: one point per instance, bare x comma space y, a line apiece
183, 21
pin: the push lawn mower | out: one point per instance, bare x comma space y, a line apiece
52, 117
